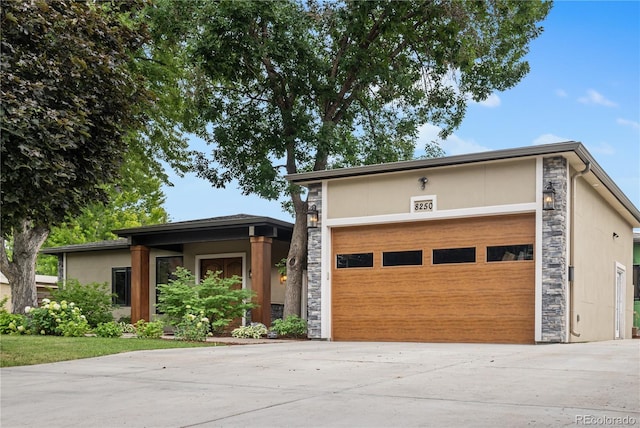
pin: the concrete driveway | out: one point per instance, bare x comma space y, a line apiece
333, 384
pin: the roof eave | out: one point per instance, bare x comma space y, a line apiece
578, 148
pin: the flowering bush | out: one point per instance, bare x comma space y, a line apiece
254, 331
93, 298
193, 327
11, 323
58, 319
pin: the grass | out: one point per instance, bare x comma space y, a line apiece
29, 350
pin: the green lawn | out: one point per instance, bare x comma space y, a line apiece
28, 350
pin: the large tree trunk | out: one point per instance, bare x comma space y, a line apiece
21, 269
296, 259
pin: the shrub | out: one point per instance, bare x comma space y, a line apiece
292, 325
11, 323
193, 327
58, 319
149, 330
127, 327
218, 298
254, 331
94, 299
108, 329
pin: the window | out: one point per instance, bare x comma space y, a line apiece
503, 253
402, 258
165, 269
345, 261
121, 286
454, 255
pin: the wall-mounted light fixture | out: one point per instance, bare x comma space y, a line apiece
312, 217
423, 182
549, 198
283, 278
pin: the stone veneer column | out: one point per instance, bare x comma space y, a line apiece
314, 267
554, 253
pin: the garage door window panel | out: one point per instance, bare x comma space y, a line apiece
454, 255
402, 258
356, 260
506, 253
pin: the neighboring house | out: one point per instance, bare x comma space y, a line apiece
636, 280
529, 245
44, 283
243, 245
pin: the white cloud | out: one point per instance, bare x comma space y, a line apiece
452, 145
549, 139
596, 98
561, 93
491, 101
632, 123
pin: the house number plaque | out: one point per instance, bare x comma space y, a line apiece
423, 205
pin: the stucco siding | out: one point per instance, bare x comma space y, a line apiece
597, 250
95, 266
466, 186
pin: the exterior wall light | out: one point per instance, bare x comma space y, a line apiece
312, 217
549, 198
423, 182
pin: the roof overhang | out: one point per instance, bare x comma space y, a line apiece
172, 236
575, 153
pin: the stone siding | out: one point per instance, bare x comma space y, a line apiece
554, 254
314, 267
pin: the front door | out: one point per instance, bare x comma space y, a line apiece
227, 267
620, 295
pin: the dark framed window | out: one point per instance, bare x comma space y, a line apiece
165, 270
454, 255
402, 258
121, 285
505, 253
358, 260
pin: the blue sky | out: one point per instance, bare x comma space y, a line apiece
584, 85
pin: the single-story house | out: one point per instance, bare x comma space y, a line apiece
44, 285
243, 245
527, 245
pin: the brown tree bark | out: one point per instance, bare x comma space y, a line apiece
296, 259
21, 269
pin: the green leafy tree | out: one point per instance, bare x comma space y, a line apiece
74, 104
137, 200
290, 86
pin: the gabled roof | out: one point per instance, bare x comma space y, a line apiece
575, 152
172, 236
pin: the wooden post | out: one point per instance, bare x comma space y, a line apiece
139, 283
261, 278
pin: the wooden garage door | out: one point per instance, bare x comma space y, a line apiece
490, 299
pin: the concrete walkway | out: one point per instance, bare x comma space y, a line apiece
333, 384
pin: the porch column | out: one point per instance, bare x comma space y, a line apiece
139, 283
261, 278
